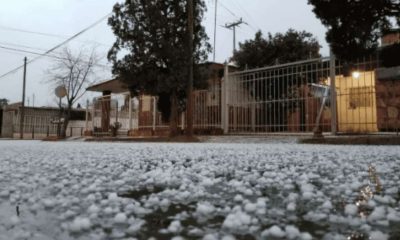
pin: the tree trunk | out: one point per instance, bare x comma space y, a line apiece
67, 117
173, 123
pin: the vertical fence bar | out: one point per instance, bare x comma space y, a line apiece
130, 112
154, 114
224, 103
87, 115
93, 113
333, 93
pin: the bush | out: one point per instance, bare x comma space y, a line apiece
114, 128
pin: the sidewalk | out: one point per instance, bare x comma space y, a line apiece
387, 139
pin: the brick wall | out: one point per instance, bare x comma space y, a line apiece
388, 104
391, 38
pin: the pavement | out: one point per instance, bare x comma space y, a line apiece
366, 139
374, 139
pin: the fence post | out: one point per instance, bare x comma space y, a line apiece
130, 113
93, 113
48, 130
332, 70
70, 131
253, 110
33, 131
154, 113
116, 112
224, 100
87, 116
183, 121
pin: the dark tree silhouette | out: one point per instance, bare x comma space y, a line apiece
279, 48
3, 102
354, 27
151, 53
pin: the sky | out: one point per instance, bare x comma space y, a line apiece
64, 18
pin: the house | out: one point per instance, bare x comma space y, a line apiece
106, 110
367, 96
39, 122
141, 115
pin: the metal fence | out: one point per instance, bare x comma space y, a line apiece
284, 98
301, 97
107, 112
39, 123
207, 110
316, 95
356, 98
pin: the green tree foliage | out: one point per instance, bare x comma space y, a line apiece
151, 53
279, 48
390, 55
3, 102
355, 26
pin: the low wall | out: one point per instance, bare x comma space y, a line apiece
388, 104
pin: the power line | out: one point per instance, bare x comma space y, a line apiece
232, 26
215, 28
26, 51
236, 16
32, 32
248, 15
22, 46
45, 34
227, 9
58, 45
40, 54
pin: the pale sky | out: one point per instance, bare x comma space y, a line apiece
67, 17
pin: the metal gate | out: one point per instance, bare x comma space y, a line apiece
109, 111
300, 97
207, 110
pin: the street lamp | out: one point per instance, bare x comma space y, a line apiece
356, 74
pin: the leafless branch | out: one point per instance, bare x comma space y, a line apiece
75, 71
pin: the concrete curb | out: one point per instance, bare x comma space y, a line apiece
353, 140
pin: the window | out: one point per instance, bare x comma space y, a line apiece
360, 97
146, 103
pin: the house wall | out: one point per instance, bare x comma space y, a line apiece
37, 123
391, 38
7, 126
303, 118
388, 104
356, 103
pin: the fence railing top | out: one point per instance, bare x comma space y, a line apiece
323, 59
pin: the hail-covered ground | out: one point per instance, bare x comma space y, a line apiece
259, 190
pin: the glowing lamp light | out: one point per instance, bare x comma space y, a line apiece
356, 74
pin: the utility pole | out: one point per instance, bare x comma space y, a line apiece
232, 26
215, 29
22, 114
189, 107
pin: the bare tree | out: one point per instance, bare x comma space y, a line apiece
74, 71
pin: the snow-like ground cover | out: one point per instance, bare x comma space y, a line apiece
198, 191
